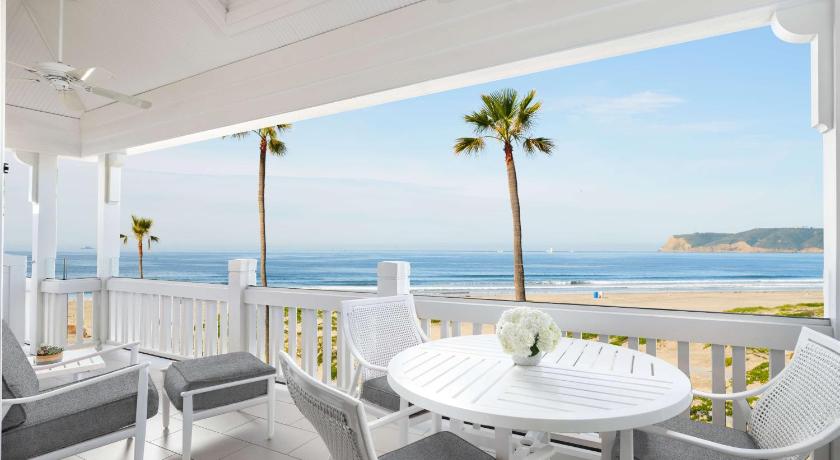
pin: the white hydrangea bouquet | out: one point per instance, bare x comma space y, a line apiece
527, 334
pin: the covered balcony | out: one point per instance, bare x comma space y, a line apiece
202, 64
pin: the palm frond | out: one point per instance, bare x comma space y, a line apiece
468, 145
239, 136
532, 145
480, 120
152, 239
124, 238
277, 147
141, 226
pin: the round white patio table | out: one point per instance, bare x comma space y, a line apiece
582, 387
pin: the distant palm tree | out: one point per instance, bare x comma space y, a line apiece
269, 142
508, 119
141, 227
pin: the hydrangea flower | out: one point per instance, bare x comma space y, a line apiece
526, 331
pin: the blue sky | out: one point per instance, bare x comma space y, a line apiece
711, 135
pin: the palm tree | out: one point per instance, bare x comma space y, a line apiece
508, 119
269, 142
141, 227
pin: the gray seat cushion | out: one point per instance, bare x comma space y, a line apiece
76, 416
19, 379
648, 446
439, 446
378, 391
198, 373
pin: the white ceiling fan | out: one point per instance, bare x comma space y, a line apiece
68, 80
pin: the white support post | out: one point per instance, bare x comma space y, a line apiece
241, 274
13, 297
393, 278
44, 198
107, 237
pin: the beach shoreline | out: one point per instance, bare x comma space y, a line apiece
709, 301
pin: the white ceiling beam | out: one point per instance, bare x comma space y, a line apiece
424, 48
34, 131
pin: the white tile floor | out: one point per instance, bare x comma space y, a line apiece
235, 436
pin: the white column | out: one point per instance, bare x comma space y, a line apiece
109, 190
241, 274
44, 198
392, 278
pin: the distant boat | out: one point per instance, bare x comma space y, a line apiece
87, 248
550, 250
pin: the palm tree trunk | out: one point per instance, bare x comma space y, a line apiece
261, 208
140, 256
513, 190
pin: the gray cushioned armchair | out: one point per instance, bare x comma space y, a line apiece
76, 417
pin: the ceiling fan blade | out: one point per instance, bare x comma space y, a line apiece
27, 80
72, 100
24, 67
86, 74
120, 97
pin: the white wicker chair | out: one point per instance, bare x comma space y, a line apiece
377, 329
341, 421
798, 412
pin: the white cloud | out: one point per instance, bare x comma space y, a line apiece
631, 104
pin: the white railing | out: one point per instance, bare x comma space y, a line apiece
70, 311
184, 320
175, 319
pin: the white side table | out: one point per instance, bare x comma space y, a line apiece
75, 368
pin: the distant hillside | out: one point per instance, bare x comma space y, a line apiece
755, 240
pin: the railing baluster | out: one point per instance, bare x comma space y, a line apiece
650, 346
187, 326
250, 318
310, 348
476, 328
719, 383
345, 363
80, 317
576, 335
201, 330
684, 361
177, 330
739, 383
603, 338
211, 333
125, 315
456, 328
293, 333
444, 328
326, 346
424, 326
261, 331
777, 362
166, 323
633, 343
276, 333
224, 327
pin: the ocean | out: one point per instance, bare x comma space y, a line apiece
476, 271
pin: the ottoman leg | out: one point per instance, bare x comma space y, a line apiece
272, 407
186, 443
165, 415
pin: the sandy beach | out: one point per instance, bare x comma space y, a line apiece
714, 301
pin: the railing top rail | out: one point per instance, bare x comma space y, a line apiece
737, 329
689, 326
204, 291
301, 298
55, 286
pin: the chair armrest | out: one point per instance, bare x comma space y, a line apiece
222, 386
739, 395
394, 416
84, 383
801, 447
133, 346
